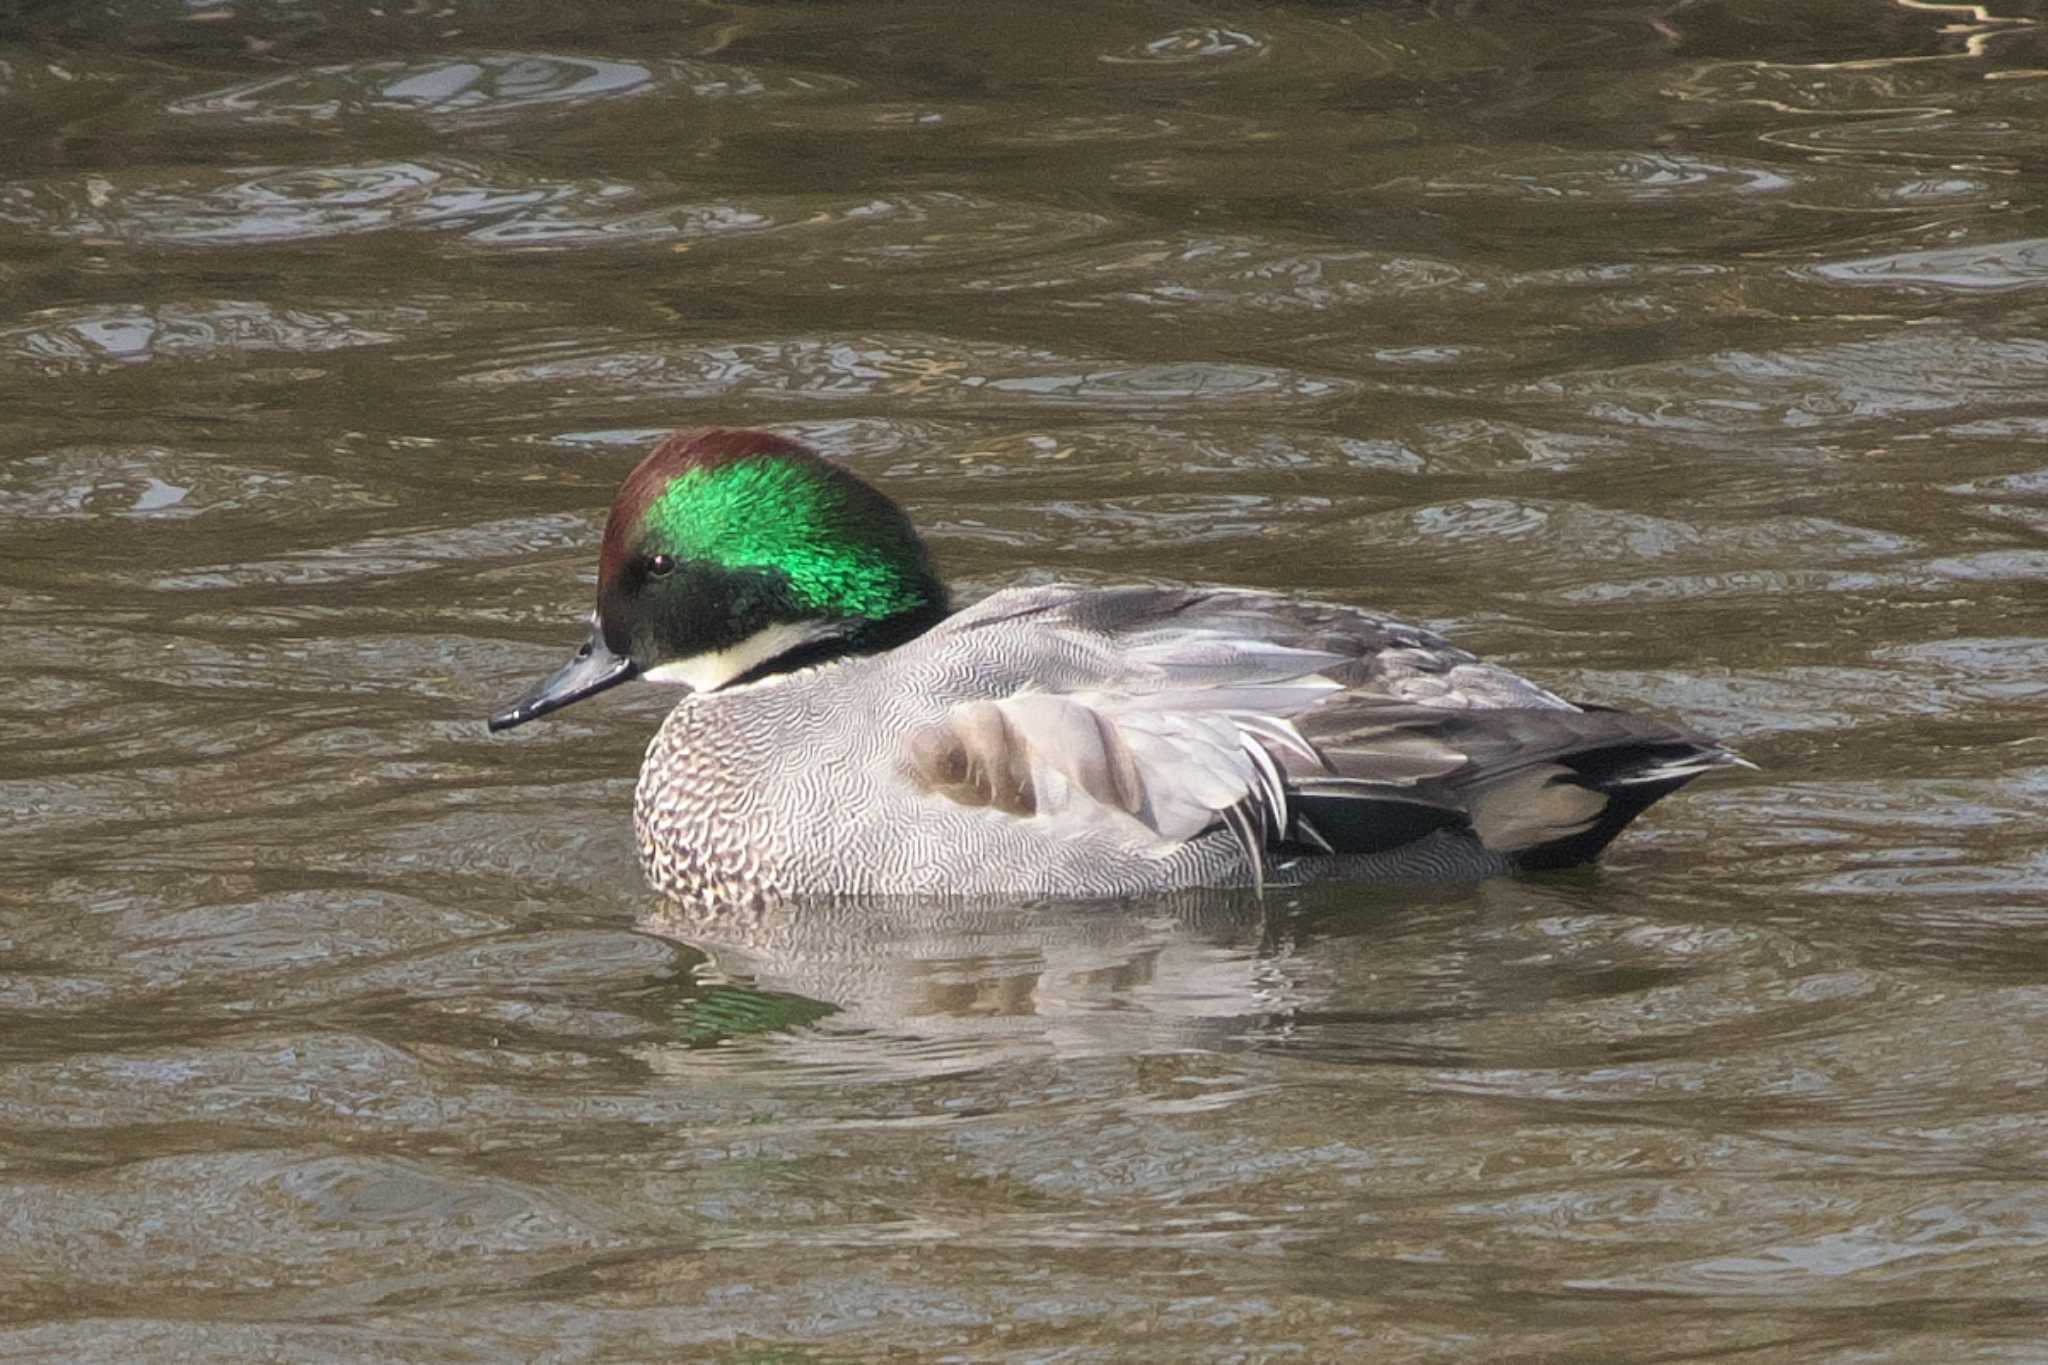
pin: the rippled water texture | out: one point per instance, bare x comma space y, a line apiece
1689, 357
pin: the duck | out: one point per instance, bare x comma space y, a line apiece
843, 731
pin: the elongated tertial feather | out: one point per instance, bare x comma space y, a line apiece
1240, 823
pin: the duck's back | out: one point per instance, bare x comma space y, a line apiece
1076, 742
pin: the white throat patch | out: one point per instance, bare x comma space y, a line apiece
712, 670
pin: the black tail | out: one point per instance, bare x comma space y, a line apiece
1629, 780
1533, 787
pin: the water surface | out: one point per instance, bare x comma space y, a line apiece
1687, 357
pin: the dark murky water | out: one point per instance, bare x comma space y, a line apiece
1688, 356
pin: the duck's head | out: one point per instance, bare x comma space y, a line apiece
733, 555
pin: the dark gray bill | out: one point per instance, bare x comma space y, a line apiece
592, 670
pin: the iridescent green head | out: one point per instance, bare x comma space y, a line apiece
733, 555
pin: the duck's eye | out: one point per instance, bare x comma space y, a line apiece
661, 566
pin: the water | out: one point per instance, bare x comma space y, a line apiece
1686, 357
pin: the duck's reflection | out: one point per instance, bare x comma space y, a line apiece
935, 985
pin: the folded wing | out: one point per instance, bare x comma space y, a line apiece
1305, 729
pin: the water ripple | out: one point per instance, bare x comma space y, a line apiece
1638, 176
907, 369
241, 209
1864, 382
768, 238
1977, 268
156, 483
482, 88
87, 339
1191, 46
